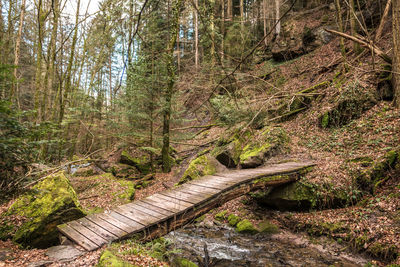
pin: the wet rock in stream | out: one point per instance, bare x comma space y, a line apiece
228, 248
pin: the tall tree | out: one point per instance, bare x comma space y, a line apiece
169, 60
15, 88
396, 51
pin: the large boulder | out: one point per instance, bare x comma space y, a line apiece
295, 196
228, 152
125, 171
33, 218
267, 143
201, 166
141, 163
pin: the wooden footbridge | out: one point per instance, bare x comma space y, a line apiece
163, 212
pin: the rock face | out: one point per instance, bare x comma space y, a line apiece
351, 104
295, 196
201, 166
51, 202
251, 149
269, 142
141, 163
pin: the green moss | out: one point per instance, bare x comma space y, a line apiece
108, 259
220, 216
325, 120
268, 227
200, 219
49, 203
233, 219
182, 262
200, 166
141, 163
246, 227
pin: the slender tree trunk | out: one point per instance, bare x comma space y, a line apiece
41, 17
174, 26
383, 21
353, 25
241, 13
396, 51
230, 10
15, 89
49, 76
264, 3
277, 17
67, 87
340, 25
196, 35
222, 31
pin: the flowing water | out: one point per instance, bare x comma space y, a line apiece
225, 247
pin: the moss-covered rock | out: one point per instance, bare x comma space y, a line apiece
51, 202
228, 153
380, 171
294, 196
120, 170
201, 166
269, 142
267, 227
353, 102
141, 163
108, 259
246, 227
233, 220
182, 262
220, 216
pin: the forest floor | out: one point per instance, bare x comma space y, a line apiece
371, 225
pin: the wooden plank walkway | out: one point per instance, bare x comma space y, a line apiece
160, 213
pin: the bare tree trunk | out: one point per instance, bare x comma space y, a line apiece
41, 17
196, 35
383, 21
277, 17
396, 52
174, 26
67, 87
222, 31
264, 3
241, 13
340, 24
230, 10
15, 89
52, 51
353, 25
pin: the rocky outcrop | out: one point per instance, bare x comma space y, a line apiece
33, 218
351, 104
201, 166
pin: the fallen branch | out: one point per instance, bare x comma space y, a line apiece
366, 43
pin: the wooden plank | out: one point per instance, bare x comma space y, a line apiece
174, 200
149, 212
178, 206
126, 220
212, 185
103, 232
92, 236
196, 193
127, 228
204, 185
192, 198
199, 188
77, 237
154, 208
103, 222
136, 215
168, 206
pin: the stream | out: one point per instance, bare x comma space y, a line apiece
228, 248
